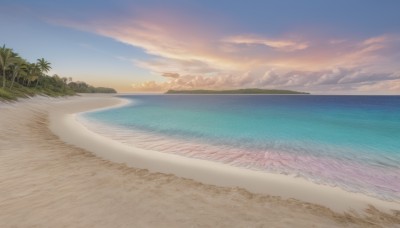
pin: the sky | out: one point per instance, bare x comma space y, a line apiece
136, 46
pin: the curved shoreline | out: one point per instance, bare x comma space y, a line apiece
64, 124
46, 182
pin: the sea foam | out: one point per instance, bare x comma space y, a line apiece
327, 140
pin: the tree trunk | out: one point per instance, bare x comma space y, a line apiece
12, 81
4, 77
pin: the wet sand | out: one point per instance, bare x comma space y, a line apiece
46, 182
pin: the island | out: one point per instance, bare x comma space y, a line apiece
236, 91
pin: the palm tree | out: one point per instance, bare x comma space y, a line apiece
44, 67
18, 68
6, 59
33, 72
64, 80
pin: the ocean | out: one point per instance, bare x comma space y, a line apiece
350, 142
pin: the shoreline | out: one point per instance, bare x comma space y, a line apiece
46, 182
209, 172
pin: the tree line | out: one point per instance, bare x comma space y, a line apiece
21, 78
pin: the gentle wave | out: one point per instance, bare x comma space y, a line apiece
382, 181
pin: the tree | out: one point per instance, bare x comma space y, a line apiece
17, 69
33, 73
6, 59
44, 67
18, 75
64, 80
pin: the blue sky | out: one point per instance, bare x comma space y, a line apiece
338, 47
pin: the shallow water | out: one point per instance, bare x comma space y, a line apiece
352, 142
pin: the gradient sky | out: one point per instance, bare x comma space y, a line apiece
319, 46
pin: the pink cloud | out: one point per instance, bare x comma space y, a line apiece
282, 45
187, 55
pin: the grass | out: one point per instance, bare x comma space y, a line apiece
19, 91
7, 95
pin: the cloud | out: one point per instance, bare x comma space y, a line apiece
283, 45
374, 40
150, 86
385, 87
339, 79
191, 55
161, 65
170, 75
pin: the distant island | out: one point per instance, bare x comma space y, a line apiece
20, 78
236, 91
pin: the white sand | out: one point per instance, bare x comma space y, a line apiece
46, 182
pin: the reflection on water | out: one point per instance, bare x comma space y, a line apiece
350, 142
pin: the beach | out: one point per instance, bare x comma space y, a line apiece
55, 172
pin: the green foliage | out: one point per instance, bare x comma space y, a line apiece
20, 91
103, 90
6, 95
82, 87
237, 91
19, 79
6, 59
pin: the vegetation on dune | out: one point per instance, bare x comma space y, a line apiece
236, 91
82, 87
20, 78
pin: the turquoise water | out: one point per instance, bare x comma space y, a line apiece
352, 142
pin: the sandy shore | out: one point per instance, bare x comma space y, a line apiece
46, 182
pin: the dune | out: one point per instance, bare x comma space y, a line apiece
54, 173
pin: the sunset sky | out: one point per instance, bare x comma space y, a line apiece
323, 47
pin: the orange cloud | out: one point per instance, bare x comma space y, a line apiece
382, 87
170, 75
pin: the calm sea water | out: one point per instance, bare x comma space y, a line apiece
352, 142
